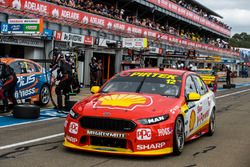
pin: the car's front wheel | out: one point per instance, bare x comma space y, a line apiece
211, 124
179, 136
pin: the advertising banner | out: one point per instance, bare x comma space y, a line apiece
245, 55
4, 27
64, 14
175, 8
3, 3
103, 42
48, 33
74, 38
32, 26
135, 43
155, 50
88, 40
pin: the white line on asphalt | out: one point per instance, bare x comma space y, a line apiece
31, 141
61, 134
230, 94
24, 123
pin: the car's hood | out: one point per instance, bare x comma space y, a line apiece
127, 105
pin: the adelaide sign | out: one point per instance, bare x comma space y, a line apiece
56, 13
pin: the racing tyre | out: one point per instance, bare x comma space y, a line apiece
179, 136
233, 85
211, 124
44, 96
26, 111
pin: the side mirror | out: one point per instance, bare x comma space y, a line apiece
95, 89
193, 97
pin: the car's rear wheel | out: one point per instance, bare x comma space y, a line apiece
179, 136
211, 124
44, 96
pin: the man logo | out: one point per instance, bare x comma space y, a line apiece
106, 114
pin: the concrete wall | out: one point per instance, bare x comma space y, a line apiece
33, 53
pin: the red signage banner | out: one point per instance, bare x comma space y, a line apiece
3, 3
65, 15
175, 8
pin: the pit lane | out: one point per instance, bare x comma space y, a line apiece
228, 147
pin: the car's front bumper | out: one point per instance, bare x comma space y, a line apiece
113, 150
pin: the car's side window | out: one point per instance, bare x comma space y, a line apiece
16, 66
201, 87
31, 67
190, 86
38, 68
23, 66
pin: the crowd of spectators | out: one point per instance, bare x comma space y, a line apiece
120, 14
200, 12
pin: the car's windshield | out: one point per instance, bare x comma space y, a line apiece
144, 82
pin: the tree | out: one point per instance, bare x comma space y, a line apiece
241, 40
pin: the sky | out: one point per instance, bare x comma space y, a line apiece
235, 13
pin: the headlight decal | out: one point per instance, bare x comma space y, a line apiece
153, 120
73, 114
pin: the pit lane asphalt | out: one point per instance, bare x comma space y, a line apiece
229, 147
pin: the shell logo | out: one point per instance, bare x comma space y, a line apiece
192, 120
123, 101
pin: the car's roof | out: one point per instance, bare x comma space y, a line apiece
157, 70
9, 60
204, 69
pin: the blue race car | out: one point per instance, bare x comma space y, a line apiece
33, 82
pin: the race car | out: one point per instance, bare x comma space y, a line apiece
143, 112
209, 77
32, 84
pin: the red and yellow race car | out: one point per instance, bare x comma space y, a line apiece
210, 78
142, 112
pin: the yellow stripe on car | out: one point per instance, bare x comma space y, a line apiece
112, 150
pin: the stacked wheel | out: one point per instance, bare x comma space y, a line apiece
26, 111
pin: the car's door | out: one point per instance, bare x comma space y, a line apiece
190, 116
27, 81
203, 108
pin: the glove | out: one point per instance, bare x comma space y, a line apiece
57, 83
1, 93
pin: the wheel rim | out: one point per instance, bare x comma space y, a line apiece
212, 122
45, 96
180, 134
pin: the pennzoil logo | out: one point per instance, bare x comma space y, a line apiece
123, 101
192, 120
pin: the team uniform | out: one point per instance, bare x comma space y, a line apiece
64, 77
9, 80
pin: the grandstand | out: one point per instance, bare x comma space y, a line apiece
99, 27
